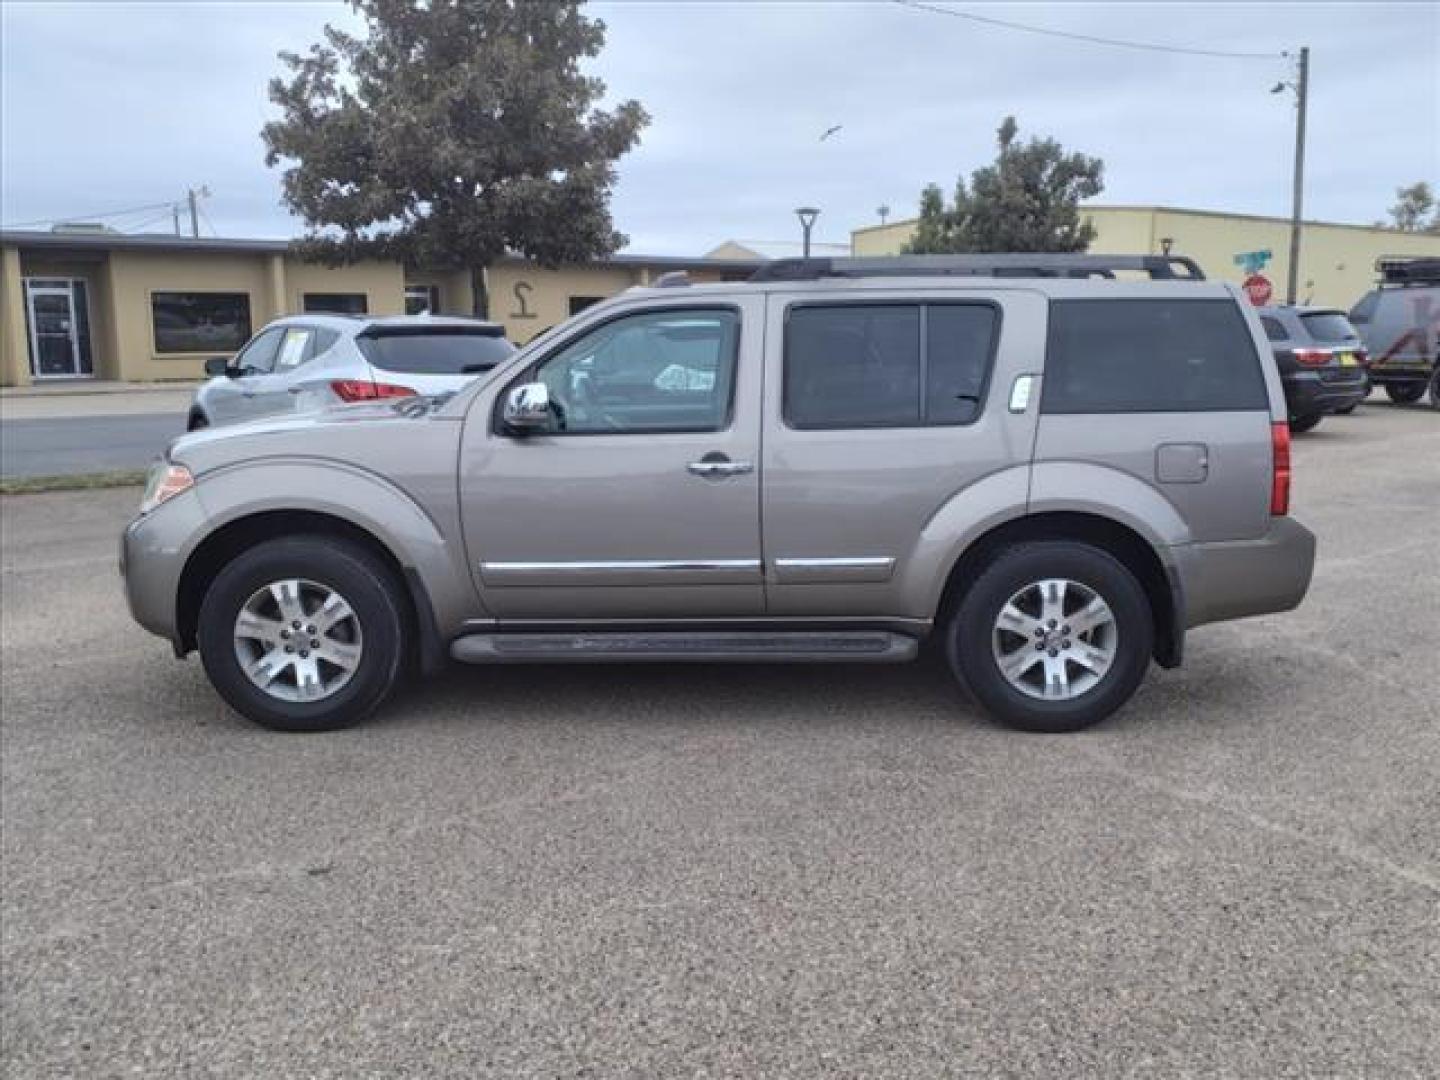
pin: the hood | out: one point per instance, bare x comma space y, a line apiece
322, 433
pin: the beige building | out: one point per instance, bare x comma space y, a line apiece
142, 308
1337, 262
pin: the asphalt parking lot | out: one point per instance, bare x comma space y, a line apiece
746, 872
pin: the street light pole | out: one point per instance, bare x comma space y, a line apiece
807, 216
1297, 197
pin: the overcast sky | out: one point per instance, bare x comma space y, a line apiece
112, 105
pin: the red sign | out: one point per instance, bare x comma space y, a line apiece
1257, 287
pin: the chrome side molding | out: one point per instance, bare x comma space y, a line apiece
858, 568
624, 572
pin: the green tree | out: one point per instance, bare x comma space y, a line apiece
1028, 200
451, 133
1413, 204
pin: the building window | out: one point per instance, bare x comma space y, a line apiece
200, 322
580, 303
422, 299
336, 303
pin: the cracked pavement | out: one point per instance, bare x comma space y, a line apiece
747, 871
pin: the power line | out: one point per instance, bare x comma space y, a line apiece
88, 217
918, 5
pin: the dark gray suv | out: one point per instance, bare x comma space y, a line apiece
1052, 472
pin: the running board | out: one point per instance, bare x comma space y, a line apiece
783, 646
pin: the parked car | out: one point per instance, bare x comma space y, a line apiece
1321, 361
1054, 477
1399, 321
309, 362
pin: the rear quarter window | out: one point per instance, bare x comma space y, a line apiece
434, 352
1328, 327
1116, 356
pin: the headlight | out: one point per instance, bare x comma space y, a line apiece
166, 480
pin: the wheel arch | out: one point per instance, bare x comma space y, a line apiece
1136, 553
244, 532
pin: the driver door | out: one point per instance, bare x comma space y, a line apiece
641, 498
232, 399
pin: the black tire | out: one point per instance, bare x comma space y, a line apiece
361, 578
197, 421
1435, 387
1347, 410
1405, 393
1301, 424
971, 632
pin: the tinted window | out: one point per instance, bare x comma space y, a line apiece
870, 365
660, 371
1328, 326
1108, 356
200, 322
337, 303
959, 341
435, 351
580, 303
1364, 311
1273, 329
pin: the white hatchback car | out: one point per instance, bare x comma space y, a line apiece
306, 362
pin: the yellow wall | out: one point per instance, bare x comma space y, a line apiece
1337, 262
382, 283
528, 299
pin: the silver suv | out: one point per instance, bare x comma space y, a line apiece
305, 362
1049, 470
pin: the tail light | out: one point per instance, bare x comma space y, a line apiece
365, 390
1362, 357
1312, 357
1280, 469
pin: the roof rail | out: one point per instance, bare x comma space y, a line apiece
1158, 267
1408, 269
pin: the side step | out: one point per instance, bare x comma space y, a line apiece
784, 646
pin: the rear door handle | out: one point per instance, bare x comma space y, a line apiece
720, 468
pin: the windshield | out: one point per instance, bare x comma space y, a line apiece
435, 351
1329, 326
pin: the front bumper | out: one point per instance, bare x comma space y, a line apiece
153, 550
1309, 392
1238, 578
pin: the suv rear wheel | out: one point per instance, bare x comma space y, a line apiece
303, 634
1405, 393
1053, 636
1300, 424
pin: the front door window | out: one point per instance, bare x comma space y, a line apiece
59, 323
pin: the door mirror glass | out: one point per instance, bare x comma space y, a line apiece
527, 408
217, 366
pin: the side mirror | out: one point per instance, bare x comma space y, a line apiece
527, 408
217, 366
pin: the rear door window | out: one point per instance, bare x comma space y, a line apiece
1329, 327
433, 351
1115, 356
887, 364
1274, 329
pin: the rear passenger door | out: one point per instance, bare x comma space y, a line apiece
1167, 390
883, 410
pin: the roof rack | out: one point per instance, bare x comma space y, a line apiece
1408, 269
1158, 267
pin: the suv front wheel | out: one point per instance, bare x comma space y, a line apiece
1053, 636
304, 633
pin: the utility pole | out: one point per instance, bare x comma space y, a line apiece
1297, 197
195, 215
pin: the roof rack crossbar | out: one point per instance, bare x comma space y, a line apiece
1157, 267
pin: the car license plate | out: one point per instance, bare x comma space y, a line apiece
1347, 359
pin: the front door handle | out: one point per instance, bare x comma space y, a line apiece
720, 468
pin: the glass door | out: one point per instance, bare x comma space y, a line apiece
59, 328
